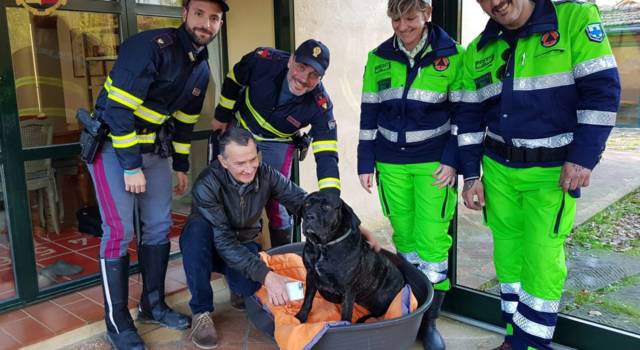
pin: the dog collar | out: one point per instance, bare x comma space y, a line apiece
339, 239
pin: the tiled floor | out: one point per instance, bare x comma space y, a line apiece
57, 316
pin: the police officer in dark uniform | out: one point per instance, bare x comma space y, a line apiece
274, 94
151, 100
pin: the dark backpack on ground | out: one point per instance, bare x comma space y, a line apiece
89, 221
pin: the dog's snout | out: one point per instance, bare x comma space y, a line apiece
309, 216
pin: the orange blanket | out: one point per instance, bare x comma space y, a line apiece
290, 334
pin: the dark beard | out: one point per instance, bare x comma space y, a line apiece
196, 40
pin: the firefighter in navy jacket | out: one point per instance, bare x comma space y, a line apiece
274, 94
153, 93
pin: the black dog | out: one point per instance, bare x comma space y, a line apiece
339, 262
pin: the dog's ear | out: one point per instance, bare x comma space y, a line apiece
349, 217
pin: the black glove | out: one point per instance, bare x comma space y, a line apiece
301, 141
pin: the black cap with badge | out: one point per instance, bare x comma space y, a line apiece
222, 3
313, 53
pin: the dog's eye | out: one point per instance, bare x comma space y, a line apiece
307, 205
327, 207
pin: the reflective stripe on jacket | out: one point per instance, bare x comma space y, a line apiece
559, 86
250, 95
147, 87
406, 111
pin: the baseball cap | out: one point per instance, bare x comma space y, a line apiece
222, 3
313, 53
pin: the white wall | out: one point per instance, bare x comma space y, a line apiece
473, 21
350, 29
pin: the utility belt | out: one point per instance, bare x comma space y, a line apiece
526, 155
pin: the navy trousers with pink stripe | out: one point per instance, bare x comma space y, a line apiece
278, 155
116, 204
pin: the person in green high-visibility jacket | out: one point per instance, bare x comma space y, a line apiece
541, 92
407, 140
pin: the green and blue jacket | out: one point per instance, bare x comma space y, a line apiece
406, 111
556, 86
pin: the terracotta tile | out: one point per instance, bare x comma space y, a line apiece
68, 299
86, 310
91, 252
54, 317
12, 316
8, 343
9, 294
94, 293
172, 286
79, 242
28, 331
48, 250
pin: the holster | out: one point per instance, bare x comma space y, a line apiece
301, 141
93, 135
163, 146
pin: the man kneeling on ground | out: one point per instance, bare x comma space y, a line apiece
228, 199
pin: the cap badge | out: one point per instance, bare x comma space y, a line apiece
317, 51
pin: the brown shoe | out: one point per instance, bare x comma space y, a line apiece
203, 332
237, 301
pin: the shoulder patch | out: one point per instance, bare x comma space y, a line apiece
331, 124
322, 101
595, 32
264, 52
163, 40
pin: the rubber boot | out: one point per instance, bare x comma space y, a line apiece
280, 236
152, 307
431, 338
121, 332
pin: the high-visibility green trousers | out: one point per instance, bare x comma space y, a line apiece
420, 214
530, 217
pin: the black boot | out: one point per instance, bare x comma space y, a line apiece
431, 338
121, 332
280, 237
152, 308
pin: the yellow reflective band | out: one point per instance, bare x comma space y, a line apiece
181, 148
324, 146
257, 137
147, 138
231, 75
124, 141
107, 84
123, 97
329, 182
263, 123
150, 115
186, 118
227, 103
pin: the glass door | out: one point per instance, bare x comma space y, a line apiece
601, 304
54, 65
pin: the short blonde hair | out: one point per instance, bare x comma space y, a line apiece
399, 8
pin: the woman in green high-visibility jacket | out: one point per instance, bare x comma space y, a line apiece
407, 138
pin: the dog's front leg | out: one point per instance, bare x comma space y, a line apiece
347, 305
309, 294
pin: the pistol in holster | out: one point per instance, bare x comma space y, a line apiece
93, 135
302, 141
163, 146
